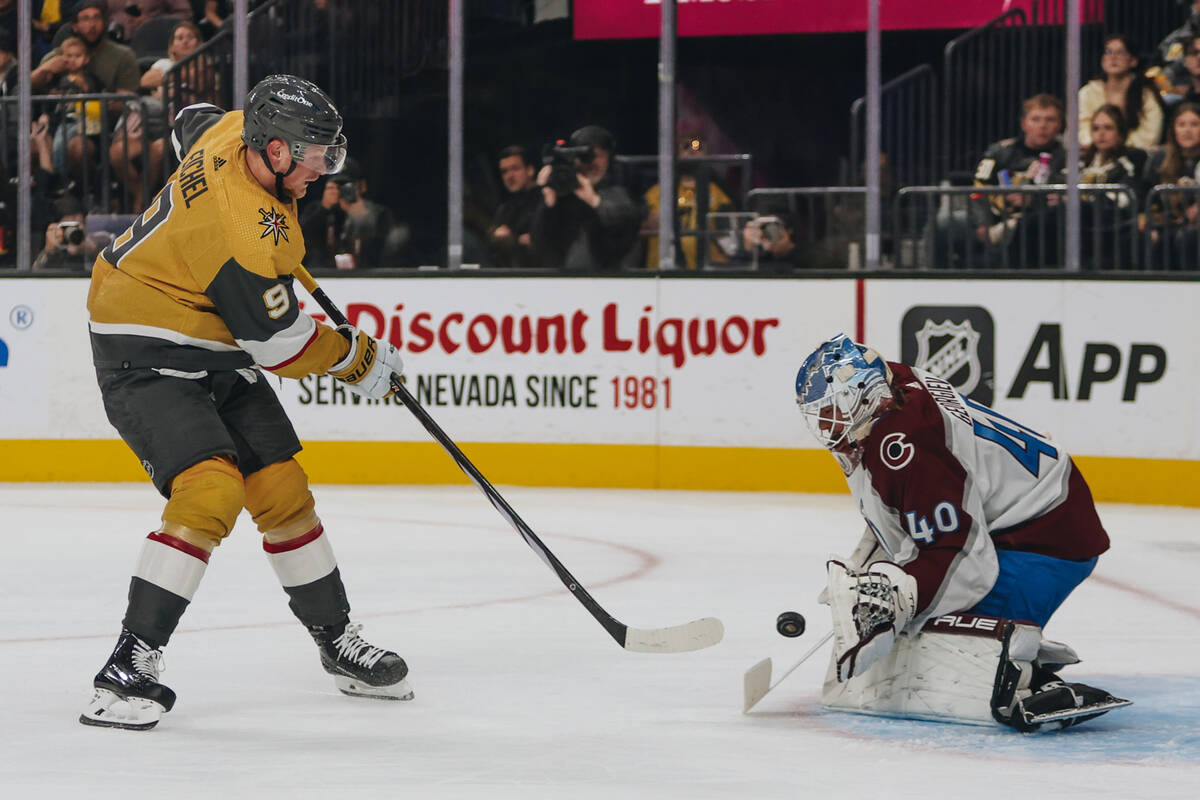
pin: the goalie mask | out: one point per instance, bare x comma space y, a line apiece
841, 389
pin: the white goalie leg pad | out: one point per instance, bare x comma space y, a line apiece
947, 672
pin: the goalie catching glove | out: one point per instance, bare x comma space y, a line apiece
869, 608
367, 369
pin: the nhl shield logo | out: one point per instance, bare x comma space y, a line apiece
955, 344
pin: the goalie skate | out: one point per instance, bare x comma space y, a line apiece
360, 669
127, 692
1066, 704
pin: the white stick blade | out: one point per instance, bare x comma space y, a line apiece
756, 684
694, 635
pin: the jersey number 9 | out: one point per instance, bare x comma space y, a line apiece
276, 300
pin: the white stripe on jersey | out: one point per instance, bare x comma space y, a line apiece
283, 346
123, 329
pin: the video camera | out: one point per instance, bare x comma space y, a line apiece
562, 158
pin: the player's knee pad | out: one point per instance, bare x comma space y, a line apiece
278, 498
206, 499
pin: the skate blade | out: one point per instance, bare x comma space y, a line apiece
356, 688
1072, 713
110, 710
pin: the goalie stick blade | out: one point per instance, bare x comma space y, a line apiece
756, 684
695, 635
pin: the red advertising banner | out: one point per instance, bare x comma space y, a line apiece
623, 19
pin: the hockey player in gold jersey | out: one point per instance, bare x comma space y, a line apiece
188, 307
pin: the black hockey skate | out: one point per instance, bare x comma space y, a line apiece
127, 692
1054, 702
358, 668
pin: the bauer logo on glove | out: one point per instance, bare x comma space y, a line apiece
368, 367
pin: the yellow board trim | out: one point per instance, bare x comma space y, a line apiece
1113, 480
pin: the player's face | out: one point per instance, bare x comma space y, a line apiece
297, 183
1187, 130
1040, 126
1105, 133
833, 422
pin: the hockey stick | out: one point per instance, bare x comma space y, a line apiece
757, 681
694, 635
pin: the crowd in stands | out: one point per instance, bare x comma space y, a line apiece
573, 208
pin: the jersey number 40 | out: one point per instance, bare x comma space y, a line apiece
1023, 444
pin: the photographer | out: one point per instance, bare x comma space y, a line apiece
67, 243
772, 241
348, 230
585, 221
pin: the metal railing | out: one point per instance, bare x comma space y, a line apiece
909, 111
1013, 227
93, 173
1172, 228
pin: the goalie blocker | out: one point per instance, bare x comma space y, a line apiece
972, 669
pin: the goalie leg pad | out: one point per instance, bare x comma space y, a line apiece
946, 672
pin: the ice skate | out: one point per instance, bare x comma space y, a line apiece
1061, 705
127, 692
358, 668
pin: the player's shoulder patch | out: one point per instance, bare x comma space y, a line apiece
895, 451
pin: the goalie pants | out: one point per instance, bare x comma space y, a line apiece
1031, 587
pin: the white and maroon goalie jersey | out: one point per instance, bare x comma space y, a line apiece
944, 482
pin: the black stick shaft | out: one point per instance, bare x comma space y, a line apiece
615, 628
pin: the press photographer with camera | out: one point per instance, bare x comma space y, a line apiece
349, 231
67, 243
771, 240
585, 221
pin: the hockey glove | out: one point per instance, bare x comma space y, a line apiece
869, 608
367, 369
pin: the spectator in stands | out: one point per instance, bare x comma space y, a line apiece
696, 189
771, 241
125, 153
8, 63
1108, 159
1122, 85
1182, 81
210, 15
1027, 222
114, 64
592, 226
1170, 50
349, 230
78, 120
67, 244
129, 15
1174, 217
510, 234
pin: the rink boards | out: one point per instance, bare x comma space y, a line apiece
664, 382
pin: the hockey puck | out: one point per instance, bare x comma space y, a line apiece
790, 624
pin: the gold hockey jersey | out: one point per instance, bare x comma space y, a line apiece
202, 280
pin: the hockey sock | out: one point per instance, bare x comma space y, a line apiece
309, 574
168, 572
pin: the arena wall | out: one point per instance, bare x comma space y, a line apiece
663, 382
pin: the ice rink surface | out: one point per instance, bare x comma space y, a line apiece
520, 693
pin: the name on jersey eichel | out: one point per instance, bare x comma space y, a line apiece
205, 273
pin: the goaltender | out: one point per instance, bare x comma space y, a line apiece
187, 308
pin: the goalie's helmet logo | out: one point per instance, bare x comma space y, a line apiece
951, 352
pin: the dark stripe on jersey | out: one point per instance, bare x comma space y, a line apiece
153, 612
120, 351
241, 299
190, 125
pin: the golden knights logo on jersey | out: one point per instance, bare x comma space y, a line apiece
955, 343
274, 224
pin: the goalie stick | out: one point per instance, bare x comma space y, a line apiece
757, 681
694, 635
